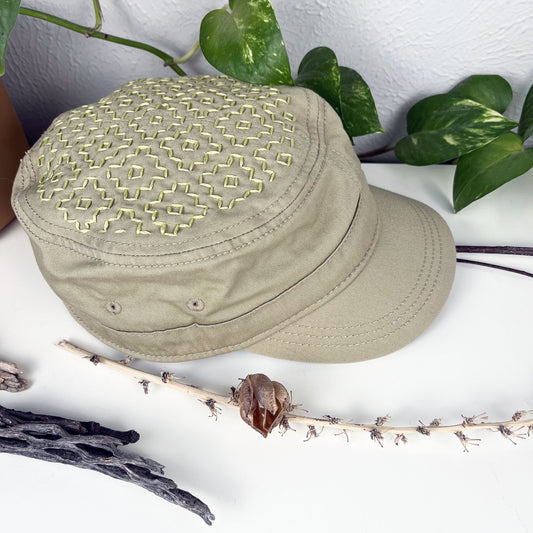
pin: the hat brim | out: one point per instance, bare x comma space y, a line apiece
391, 302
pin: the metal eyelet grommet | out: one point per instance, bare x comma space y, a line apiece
195, 304
113, 307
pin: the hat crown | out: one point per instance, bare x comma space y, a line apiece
190, 216
163, 156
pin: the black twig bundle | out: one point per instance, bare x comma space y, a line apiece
92, 446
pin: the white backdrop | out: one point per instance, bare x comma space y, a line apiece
405, 50
475, 357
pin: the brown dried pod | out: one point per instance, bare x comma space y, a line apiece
263, 402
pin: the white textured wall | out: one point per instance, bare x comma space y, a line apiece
404, 49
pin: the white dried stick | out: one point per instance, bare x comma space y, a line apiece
507, 428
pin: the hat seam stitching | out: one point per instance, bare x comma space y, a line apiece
322, 265
376, 339
206, 353
416, 283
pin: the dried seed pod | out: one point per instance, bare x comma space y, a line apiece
263, 402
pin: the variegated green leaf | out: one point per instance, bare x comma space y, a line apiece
8, 15
246, 43
444, 126
358, 109
484, 170
343, 88
525, 127
319, 71
490, 90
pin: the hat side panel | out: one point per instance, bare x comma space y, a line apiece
244, 275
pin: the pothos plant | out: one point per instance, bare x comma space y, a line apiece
465, 126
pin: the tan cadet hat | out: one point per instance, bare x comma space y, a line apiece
180, 218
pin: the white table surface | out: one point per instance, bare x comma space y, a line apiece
476, 357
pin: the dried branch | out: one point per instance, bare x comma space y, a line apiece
377, 430
497, 267
509, 250
92, 446
10, 378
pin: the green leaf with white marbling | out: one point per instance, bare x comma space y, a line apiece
484, 170
358, 110
319, 71
246, 43
492, 91
525, 126
9, 10
444, 127
343, 88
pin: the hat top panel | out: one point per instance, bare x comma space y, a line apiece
163, 156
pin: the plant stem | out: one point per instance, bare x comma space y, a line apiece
473, 423
374, 153
89, 32
188, 55
98, 16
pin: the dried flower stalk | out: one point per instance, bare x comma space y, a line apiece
92, 446
11, 378
509, 428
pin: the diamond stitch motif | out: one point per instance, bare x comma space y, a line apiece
157, 155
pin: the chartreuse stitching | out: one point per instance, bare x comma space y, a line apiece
167, 197
315, 172
28, 162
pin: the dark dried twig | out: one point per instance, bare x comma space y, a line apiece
92, 446
497, 267
11, 379
508, 250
